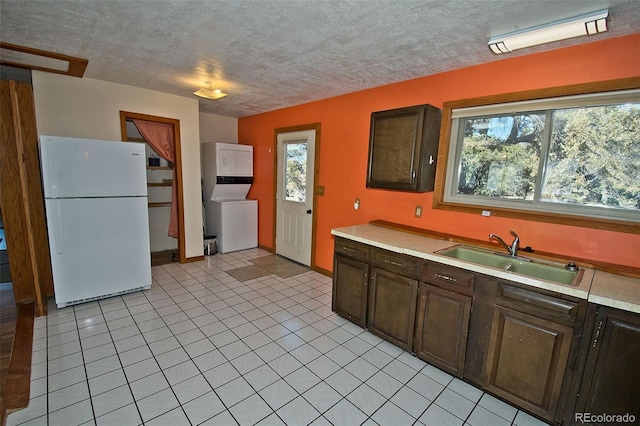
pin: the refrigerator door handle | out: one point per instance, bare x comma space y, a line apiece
57, 227
51, 178
47, 173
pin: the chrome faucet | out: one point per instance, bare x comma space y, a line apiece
513, 249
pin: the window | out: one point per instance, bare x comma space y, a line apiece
296, 175
573, 156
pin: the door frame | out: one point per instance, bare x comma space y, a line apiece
127, 115
316, 175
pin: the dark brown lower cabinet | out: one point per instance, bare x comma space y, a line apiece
611, 381
442, 328
350, 289
525, 345
392, 307
526, 360
484, 295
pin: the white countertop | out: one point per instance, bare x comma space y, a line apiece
615, 291
596, 286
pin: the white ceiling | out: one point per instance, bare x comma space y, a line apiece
269, 54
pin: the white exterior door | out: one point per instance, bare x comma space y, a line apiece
294, 197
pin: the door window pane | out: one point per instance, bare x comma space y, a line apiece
296, 171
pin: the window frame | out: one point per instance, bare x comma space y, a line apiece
444, 169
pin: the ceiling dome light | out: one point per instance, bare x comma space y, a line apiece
210, 93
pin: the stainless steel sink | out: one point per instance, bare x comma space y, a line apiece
547, 271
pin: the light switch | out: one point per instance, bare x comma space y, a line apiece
418, 211
321, 190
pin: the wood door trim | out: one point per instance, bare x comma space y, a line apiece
41, 304
127, 115
18, 385
21, 195
316, 175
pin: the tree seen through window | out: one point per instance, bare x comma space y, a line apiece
587, 156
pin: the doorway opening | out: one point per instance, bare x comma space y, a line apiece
159, 208
296, 180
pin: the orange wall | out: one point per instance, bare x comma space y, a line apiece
344, 149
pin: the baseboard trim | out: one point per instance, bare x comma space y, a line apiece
323, 271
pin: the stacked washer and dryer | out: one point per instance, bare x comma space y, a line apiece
227, 177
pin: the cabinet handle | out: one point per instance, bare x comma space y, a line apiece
445, 277
595, 341
349, 249
413, 175
394, 263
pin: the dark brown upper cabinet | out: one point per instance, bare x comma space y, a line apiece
403, 147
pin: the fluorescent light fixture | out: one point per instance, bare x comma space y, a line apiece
41, 60
588, 24
210, 93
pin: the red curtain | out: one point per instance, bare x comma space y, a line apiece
160, 137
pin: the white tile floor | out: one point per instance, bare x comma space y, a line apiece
201, 347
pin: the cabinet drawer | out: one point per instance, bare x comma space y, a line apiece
396, 262
448, 277
352, 249
533, 302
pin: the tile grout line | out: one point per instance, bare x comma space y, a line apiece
297, 303
217, 348
253, 351
190, 359
135, 401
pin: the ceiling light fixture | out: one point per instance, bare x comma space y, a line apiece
34, 59
588, 24
210, 93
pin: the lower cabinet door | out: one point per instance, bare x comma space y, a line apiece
442, 329
526, 360
350, 284
611, 383
392, 307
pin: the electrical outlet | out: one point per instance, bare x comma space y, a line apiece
418, 211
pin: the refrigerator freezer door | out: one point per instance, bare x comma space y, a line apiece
99, 247
74, 167
235, 224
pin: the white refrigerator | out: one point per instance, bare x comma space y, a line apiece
97, 217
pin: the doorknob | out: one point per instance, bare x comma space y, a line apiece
309, 211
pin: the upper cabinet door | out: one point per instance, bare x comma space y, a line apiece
403, 146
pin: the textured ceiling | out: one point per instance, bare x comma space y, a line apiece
271, 54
